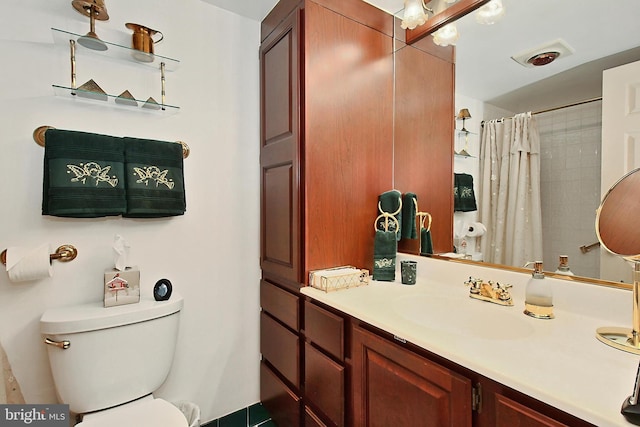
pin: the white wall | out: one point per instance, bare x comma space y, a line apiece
468, 165
570, 150
210, 254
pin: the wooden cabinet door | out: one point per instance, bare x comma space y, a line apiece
393, 386
281, 402
281, 348
510, 413
280, 231
324, 384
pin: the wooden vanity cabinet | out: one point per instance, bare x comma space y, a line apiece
326, 154
395, 383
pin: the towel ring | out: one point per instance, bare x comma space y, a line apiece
423, 216
64, 253
387, 217
394, 213
39, 138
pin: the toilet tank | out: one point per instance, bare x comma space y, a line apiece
115, 354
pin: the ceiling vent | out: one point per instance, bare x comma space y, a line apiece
543, 55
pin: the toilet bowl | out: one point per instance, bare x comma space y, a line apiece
146, 412
107, 362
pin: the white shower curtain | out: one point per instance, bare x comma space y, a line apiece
510, 191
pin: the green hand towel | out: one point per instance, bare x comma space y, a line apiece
409, 203
83, 175
464, 199
390, 202
154, 178
426, 244
384, 256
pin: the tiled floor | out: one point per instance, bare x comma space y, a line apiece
253, 416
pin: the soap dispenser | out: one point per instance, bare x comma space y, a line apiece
563, 266
539, 296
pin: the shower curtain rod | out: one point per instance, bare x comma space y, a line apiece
586, 101
575, 104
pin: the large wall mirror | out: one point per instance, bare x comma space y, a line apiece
492, 85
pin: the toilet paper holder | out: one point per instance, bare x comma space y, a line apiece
64, 253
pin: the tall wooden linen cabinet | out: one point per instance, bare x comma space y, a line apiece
327, 152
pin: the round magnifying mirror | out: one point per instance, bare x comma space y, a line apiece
618, 231
617, 217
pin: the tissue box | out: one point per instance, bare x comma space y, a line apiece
121, 287
333, 279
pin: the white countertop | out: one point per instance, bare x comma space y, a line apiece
559, 361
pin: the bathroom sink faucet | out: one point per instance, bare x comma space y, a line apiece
489, 291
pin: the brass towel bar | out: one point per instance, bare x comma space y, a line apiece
38, 137
64, 253
587, 248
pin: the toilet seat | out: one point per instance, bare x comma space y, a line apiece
146, 412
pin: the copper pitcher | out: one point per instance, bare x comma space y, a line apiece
142, 41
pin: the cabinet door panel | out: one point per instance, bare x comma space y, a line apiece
278, 215
282, 403
510, 413
281, 348
325, 329
394, 387
278, 94
280, 304
279, 152
324, 384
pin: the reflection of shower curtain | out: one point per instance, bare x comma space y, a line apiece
9, 388
510, 191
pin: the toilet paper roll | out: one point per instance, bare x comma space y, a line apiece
475, 229
24, 264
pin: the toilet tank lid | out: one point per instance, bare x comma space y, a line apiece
94, 316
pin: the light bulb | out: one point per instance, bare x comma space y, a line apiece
490, 13
447, 35
414, 14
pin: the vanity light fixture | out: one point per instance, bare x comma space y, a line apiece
490, 13
94, 9
414, 14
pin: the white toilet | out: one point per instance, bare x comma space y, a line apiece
107, 362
